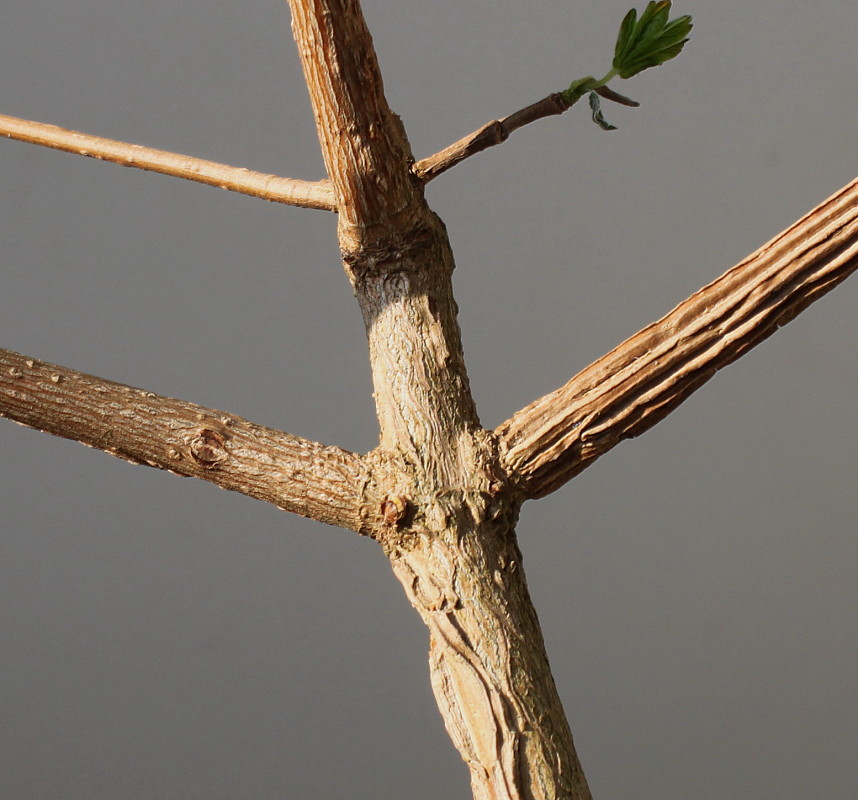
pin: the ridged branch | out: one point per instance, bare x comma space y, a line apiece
306, 478
363, 143
450, 538
642, 380
307, 194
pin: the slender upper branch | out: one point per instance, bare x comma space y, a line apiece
639, 382
492, 133
498, 130
307, 478
306, 194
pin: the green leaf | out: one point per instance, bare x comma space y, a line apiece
598, 117
650, 40
624, 37
642, 42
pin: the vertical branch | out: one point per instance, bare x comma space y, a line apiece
450, 538
363, 143
489, 670
395, 249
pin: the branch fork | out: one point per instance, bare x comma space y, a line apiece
440, 493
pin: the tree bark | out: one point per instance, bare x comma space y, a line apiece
235, 179
461, 569
642, 380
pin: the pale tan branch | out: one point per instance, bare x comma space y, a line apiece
306, 478
449, 534
639, 382
489, 669
307, 194
395, 250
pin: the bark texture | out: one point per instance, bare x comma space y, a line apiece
642, 380
491, 134
236, 179
490, 675
325, 483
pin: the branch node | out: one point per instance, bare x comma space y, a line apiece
208, 449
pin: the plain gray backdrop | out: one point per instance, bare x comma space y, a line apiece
164, 639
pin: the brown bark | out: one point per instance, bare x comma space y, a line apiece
325, 483
461, 569
451, 540
363, 143
491, 134
498, 131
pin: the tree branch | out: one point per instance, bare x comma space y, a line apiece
363, 142
306, 478
642, 380
306, 194
499, 130
492, 133
395, 251
487, 659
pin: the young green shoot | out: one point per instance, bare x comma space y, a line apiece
643, 42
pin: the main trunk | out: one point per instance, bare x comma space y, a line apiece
450, 537
488, 665
448, 509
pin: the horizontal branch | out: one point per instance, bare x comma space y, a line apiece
306, 478
639, 382
307, 194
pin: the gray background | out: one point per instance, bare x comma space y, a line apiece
164, 639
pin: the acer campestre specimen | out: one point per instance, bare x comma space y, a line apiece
440, 493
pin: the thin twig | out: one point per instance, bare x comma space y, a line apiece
307, 194
492, 133
498, 130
